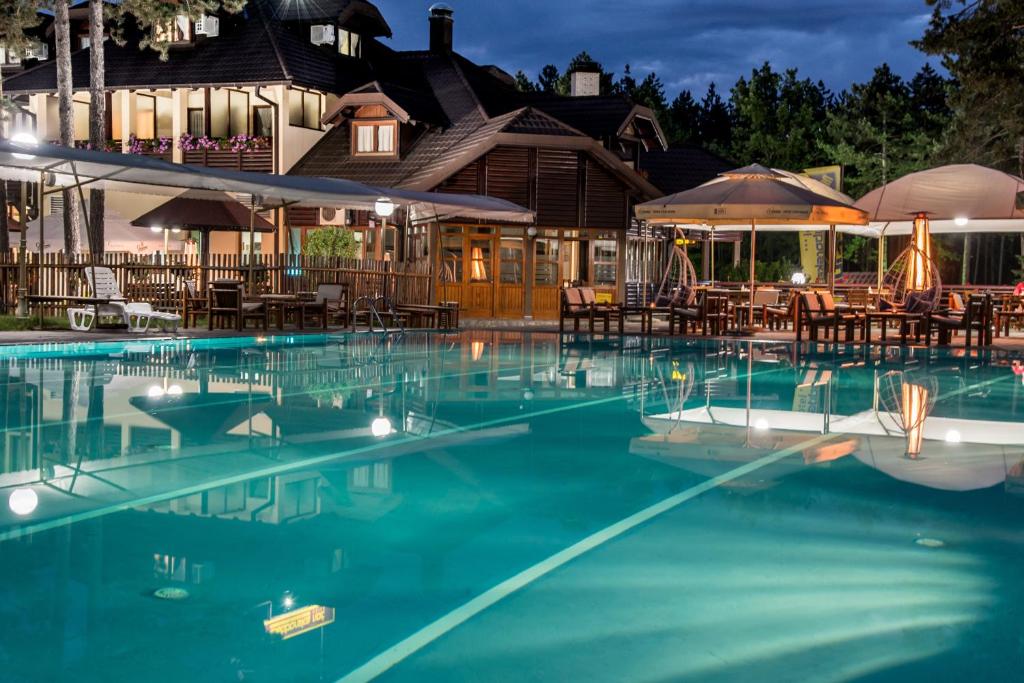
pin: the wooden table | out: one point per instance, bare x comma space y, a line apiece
285, 303
905, 319
646, 314
443, 316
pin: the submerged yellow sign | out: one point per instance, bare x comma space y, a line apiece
299, 621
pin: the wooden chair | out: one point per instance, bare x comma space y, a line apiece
227, 302
780, 317
976, 316
193, 304
574, 309
331, 303
1010, 310
604, 311
710, 313
818, 310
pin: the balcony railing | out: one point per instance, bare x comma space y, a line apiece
260, 159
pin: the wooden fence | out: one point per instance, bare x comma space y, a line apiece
160, 280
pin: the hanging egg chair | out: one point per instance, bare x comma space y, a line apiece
912, 281
680, 276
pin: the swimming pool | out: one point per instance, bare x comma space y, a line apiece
502, 506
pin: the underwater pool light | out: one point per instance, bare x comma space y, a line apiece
23, 501
381, 426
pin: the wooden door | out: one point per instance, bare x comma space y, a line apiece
479, 256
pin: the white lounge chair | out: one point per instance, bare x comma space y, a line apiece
138, 316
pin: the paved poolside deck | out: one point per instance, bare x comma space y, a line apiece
1012, 343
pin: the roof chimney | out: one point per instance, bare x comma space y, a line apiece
441, 23
585, 80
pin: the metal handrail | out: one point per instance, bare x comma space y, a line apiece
373, 313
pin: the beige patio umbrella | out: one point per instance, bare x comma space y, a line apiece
959, 198
756, 196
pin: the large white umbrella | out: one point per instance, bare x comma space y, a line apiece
954, 199
755, 196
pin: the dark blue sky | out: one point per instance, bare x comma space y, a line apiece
688, 42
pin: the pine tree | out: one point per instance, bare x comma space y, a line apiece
155, 18
72, 207
97, 118
682, 120
523, 83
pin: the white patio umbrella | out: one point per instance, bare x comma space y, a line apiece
753, 196
954, 199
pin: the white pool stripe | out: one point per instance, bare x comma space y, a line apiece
428, 634
431, 632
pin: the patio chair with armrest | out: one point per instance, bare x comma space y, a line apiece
330, 303
137, 315
975, 316
779, 317
574, 308
818, 310
227, 302
710, 312
1010, 310
193, 304
604, 311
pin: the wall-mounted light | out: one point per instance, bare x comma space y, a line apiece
961, 221
532, 231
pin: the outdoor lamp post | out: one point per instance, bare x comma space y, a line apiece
384, 208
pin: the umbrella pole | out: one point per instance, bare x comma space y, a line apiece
753, 255
832, 259
711, 246
252, 231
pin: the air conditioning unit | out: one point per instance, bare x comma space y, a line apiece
208, 26
40, 51
331, 216
321, 34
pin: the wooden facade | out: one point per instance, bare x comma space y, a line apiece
501, 271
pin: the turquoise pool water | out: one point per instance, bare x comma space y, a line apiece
504, 507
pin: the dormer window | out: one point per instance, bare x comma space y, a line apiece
349, 43
374, 132
375, 139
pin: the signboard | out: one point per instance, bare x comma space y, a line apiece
831, 176
814, 245
299, 621
603, 297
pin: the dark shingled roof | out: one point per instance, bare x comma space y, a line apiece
358, 15
250, 50
599, 117
472, 131
682, 168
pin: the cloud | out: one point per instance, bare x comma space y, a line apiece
689, 43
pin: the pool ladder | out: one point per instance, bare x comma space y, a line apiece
373, 314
